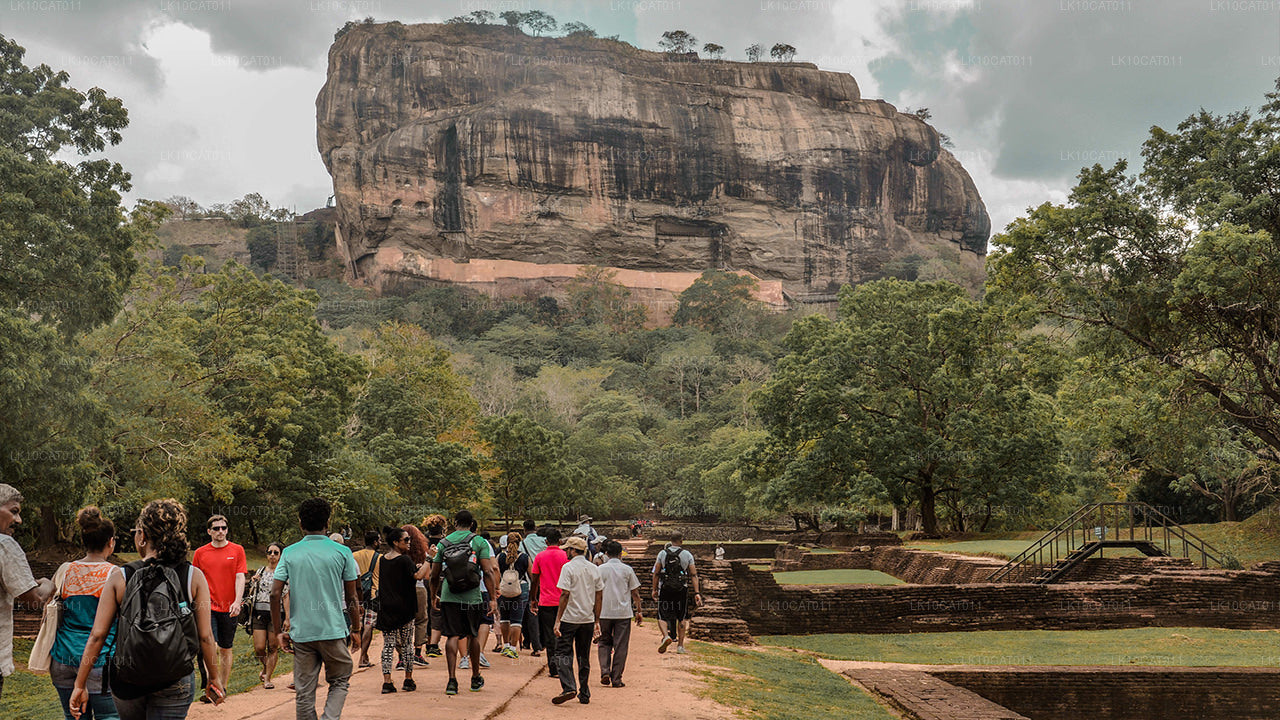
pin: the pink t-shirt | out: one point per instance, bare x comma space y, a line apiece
547, 567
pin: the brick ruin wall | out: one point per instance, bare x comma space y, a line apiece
1228, 599
1124, 693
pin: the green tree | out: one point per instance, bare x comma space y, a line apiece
594, 297
677, 42
713, 50
66, 260
717, 299
782, 52
531, 471
262, 246
1181, 265
916, 394
753, 52
578, 29
538, 22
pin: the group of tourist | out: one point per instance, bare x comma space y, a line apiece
126, 641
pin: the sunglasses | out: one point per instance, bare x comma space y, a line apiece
273, 552
222, 528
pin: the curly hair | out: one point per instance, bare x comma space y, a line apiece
164, 524
513, 548
435, 524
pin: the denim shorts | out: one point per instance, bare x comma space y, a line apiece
511, 610
171, 703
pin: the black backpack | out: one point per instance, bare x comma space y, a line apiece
156, 640
674, 576
462, 572
366, 580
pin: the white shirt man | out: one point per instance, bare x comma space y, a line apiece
581, 595
16, 581
619, 603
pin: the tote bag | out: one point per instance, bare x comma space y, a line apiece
42, 651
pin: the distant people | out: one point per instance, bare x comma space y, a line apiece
16, 581
83, 582
398, 607
463, 562
619, 604
581, 592
513, 594
367, 561
719, 551
151, 676
338, 538
322, 581
532, 544
266, 646
674, 574
589, 533
223, 565
545, 593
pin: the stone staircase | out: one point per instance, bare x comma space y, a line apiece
717, 620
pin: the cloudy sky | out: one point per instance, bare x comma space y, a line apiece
221, 93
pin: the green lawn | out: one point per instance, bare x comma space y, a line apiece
835, 577
825, 551
1193, 647
28, 696
781, 685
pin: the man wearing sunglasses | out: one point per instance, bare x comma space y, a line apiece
223, 564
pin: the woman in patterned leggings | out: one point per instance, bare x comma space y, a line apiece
397, 606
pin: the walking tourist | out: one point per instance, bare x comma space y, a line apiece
581, 593
322, 580
367, 561
463, 562
619, 604
513, 594
532, 544
589, 533
674, 574
16, 581
151, 674
223, 565
545, 574
435, 525
266, 646
81, 584
397, 607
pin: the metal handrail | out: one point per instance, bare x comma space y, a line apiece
1151, 521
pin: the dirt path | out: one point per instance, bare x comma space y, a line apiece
513, 689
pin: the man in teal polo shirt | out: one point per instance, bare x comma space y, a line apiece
322, 580
463, 610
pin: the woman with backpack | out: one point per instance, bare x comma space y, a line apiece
81, 583
513, 594
265, 645
398, 606
150, 672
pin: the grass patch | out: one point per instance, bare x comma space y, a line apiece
760, 567
835, 577
1163, 647
781, 685
28, 696
824, 551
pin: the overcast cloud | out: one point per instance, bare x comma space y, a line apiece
221, 93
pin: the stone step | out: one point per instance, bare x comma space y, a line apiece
720, 630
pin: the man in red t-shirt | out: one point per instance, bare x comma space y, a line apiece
223, 565
545, 595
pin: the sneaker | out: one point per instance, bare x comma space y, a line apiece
420, 661
618, 684
433, 651
511, 653
666, 643
477, 682
564, 697
484, 662
388, 688
681, 651
400, 665
410, 685
465, 663
452, 687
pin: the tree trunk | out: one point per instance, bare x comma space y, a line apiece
48, 526
928, 508
985, 519
253, 532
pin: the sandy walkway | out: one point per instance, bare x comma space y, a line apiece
513, 689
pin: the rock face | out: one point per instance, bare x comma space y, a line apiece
527, 157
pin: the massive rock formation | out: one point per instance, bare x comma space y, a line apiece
479, 155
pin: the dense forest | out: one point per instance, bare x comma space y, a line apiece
1125, 347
